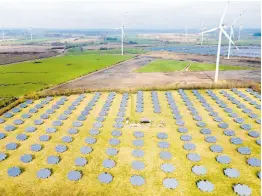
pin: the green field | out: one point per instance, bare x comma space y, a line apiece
28, 184
22, 78
174, 65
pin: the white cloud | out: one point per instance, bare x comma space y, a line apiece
108, 14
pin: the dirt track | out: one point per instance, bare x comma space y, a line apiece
123, 76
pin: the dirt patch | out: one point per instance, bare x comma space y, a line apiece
123, 76
20, 53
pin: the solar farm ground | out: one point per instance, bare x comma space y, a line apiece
200, 142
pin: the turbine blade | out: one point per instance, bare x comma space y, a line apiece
237, 18
225, 33
210, 30
223, 16
233, 34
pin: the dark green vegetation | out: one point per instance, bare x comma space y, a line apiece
174, 65
27, 77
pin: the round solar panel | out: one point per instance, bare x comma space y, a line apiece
205, 186
216, 148
138, 143
57, 123
199, 170
245, 127
165, 155
16, 110
193, 157
100, 119
167, 167
239, 120
170, 183
77, 124
90, 140
231, 173
44, 173
244, 150
163, 144
114, 142
11, 146
21, 137
137, 180
26, 158
14, 171
67, 139
8, 115
9, 128
61, 148
223, 125
36, 147
72, 131
2, 120
109, 163
86, 150
38, 122
229, 133
44, 138
258, 141
30, 129
242, 189
111, 151
118, 125
3, 156
205, 131
80, 161
253, 134
189, 146
94, 132
74, 175
105, 178
25, 116
182, 130
63, 117
180, 123
2, 135
138, 165
53, 159
116, 133
44, 116
254, 162
236, 140
201, 124
138, 153
224, 159
51, 130
210, 139
162, 136
186, 137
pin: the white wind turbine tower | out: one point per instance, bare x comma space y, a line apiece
221, 30
232, 34
122, 35
31, 35
202, 30
240, 28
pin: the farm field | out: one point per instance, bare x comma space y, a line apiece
81, 144
174, 65
108, 51
39, 74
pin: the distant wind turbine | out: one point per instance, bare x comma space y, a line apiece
31, 35
240, 28
202, 34
221, 30
232, 34
122, 35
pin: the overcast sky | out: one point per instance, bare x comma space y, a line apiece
140, 14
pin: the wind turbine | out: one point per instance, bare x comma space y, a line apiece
122, 35
202, 34
232, 34
240, 28
31, 35
221, 31
3, 33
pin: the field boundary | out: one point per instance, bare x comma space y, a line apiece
91, 73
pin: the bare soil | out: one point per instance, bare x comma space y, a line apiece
123, 75
19, 53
